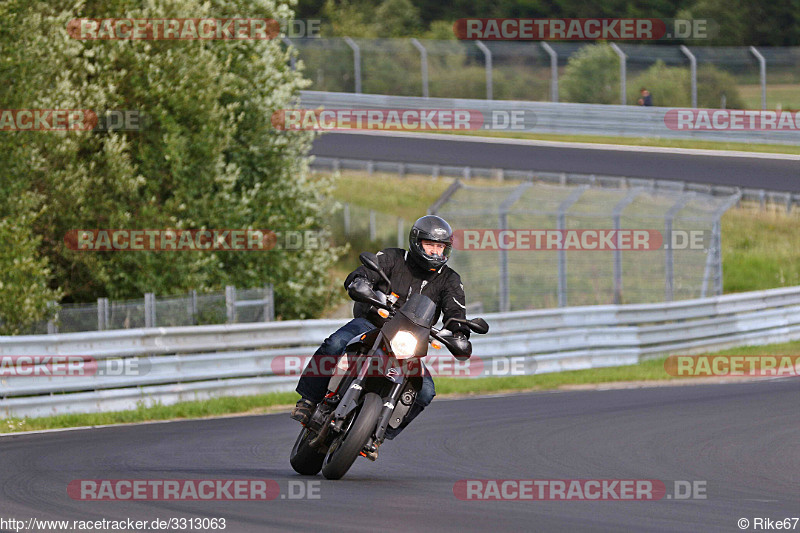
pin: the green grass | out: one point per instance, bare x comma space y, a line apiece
786, 95
192, 409
650, 370
760, 250
641, 141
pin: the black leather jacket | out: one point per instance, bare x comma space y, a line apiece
442, 286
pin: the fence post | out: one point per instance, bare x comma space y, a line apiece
510, 200
617, 216
52, 328
553, 71
623, 82
423, 57
488, 55
269, 304
561, 224
372, 229
401, 238
714, 256
693, 69
762, 74
230, 303
346, 219
292, 59
102, 314
356, 62
193, 306
669, 264
149, 310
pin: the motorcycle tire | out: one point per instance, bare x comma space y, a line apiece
306, 460
340, 459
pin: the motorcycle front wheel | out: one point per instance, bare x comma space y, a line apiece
304, 459
343, 454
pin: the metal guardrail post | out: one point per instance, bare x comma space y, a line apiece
423, 57
292, 59
762, 74
553, 71
488, 55
561, 224
230, 303
356, 63
623, 72
693, 69
149, 310
669, 264
510, 200
617, 216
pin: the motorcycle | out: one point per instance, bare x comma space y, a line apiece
376, 379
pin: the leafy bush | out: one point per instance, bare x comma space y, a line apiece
668, 85
712, 83
591, 76
671, 87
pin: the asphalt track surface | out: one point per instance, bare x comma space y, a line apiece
741, 439
761, 172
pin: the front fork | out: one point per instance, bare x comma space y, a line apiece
388, 409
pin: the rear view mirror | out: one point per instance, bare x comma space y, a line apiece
478, 325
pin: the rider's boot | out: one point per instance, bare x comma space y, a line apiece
303, 410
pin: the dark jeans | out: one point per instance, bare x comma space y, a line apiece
314, 387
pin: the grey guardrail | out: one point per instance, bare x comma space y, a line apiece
549, 117
195, 363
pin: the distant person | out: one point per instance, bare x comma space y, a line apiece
646, 99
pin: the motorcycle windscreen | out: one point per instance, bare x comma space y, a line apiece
420, 310
416, 317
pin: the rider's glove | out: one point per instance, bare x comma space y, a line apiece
465, 347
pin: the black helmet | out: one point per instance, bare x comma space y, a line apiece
430, 228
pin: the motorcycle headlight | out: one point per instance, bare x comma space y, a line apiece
404, 344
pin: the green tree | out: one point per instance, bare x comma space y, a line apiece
207, 158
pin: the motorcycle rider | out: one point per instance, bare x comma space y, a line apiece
421, 269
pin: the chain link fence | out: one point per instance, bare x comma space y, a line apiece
515, 277
764, 77
228, 307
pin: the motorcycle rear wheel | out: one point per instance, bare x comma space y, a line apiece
342, 456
